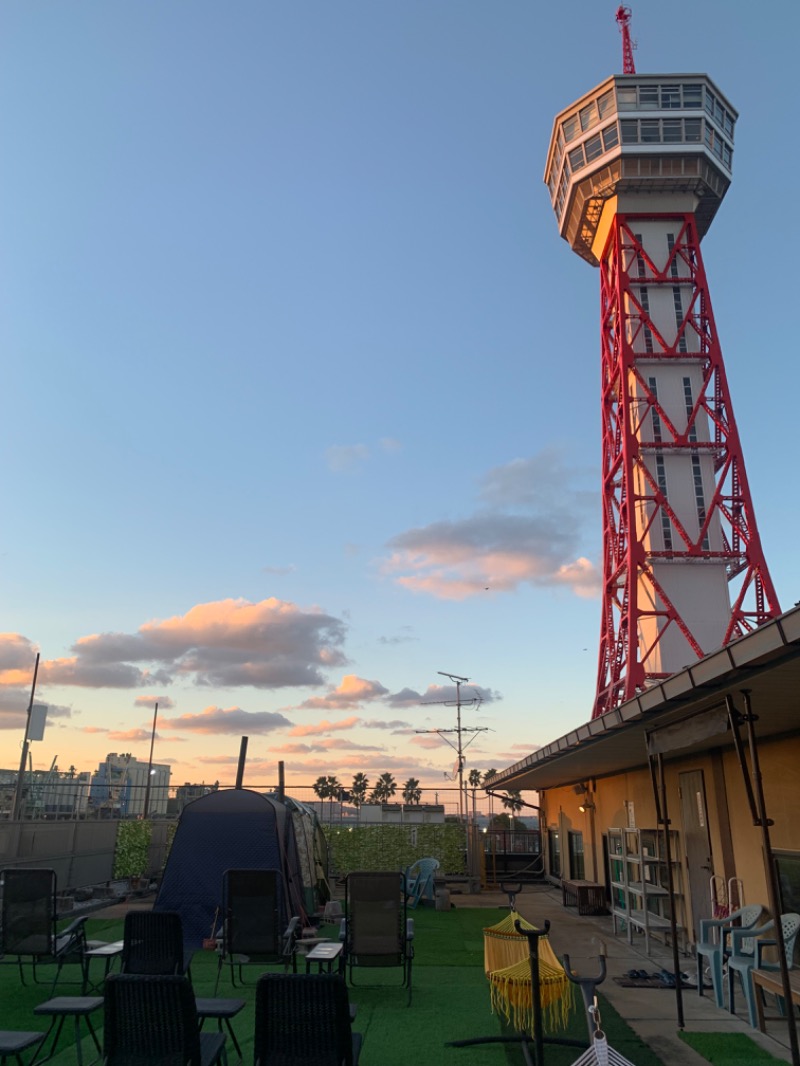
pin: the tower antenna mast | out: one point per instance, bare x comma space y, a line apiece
623, 18
459, 746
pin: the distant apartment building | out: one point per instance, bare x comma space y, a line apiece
187, 793
120, 787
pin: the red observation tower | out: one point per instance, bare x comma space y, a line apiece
637, 169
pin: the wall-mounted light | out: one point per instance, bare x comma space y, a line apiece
588, 805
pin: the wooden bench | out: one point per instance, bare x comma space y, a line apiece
587, 896
770, 981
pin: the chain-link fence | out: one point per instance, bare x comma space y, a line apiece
69, 797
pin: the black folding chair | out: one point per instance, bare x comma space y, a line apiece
304, 1019
252, 930
30, 924
151, 1020
376, 930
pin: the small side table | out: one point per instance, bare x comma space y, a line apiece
324, 955
106, 952
223, 1010
13, 1042
59, 1009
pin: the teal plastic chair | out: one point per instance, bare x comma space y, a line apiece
714, 946
744, 962
419, 881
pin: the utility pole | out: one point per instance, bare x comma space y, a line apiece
17, 805
146, 807
459, 731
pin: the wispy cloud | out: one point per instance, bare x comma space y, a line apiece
323, 727
526, 531
341, 457
164, 702
234, 721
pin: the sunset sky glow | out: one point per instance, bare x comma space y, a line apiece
301, 403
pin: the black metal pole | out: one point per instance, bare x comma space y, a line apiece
240, 767
146, 807
772, 875
673, 924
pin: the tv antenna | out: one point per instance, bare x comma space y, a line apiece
459, 731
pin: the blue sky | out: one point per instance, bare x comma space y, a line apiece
301, 392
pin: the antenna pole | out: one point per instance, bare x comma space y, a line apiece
463, 809
623, 18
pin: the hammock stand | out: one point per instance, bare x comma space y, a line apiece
524, 1037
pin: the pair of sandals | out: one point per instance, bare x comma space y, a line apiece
665, 976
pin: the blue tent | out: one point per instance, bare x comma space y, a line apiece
230, 829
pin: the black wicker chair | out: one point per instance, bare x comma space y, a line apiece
252, 931
304, 1020
153, 943
151, 1020
376, 930
29, 928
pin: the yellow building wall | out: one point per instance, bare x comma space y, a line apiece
736, 843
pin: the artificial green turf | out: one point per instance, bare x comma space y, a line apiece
450, 1001
727, 1049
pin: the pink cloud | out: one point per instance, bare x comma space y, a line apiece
351, 692
323, 727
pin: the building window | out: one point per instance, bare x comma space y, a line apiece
576, 158
670, 96
570, 128
610, 137
677, 301
588, 116
673, 265
605, 104
626, 98
593, 148
577, 871
554, 852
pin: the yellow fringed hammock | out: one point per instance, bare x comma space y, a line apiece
507, 964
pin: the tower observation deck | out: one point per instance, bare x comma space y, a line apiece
636, 170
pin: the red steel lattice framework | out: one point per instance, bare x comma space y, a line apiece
626, 402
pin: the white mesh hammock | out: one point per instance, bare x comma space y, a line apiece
599, 1053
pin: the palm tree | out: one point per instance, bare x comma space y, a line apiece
385, 788
359, 788
320, 786
487, 775
513, 801
412, 793
334, 787
474, 778
327, 788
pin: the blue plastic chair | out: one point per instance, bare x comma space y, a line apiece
713, 944
743, 961
419, 881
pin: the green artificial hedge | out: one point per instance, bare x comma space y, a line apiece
394, 847
131, 851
